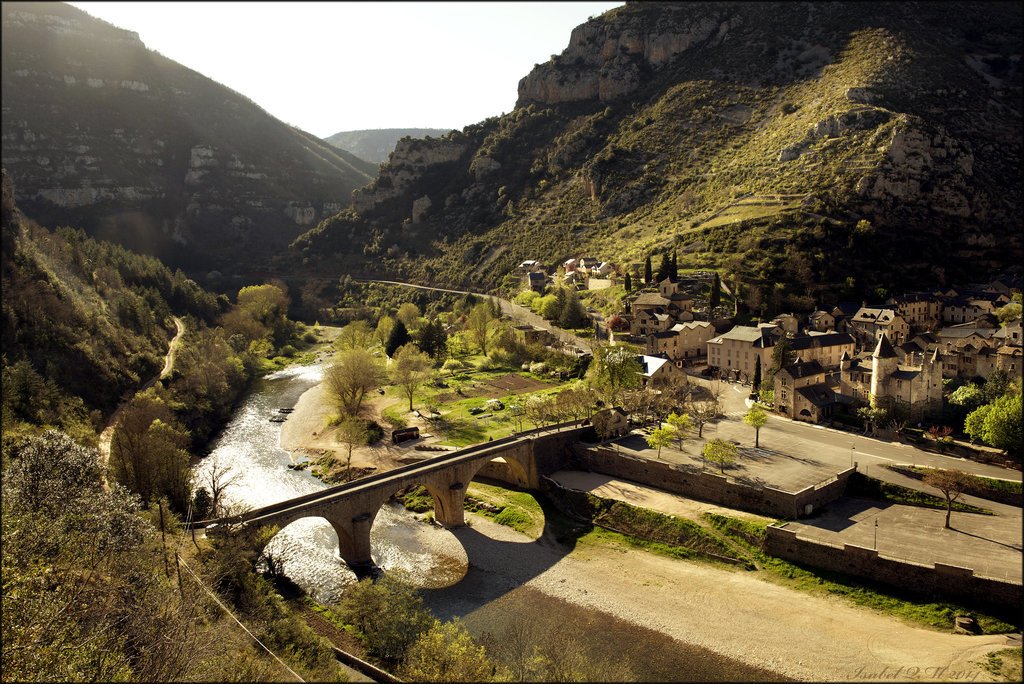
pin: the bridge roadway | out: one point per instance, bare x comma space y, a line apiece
350, 508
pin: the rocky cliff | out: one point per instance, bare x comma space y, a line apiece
101, 133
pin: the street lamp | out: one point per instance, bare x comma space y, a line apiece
851, 455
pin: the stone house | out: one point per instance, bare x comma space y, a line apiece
825, 348
965, 309
536, 281
682, 341
735, 352
870, 323
802, 392
921, 310
610, 422
787, 322
658, 373
886, 383
821, 321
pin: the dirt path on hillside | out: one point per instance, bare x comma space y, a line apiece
107, 436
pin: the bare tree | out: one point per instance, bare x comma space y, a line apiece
952, 484
352, 432
703, 412
218, 478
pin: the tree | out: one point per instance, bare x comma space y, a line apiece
217, 479
479, 323
383, 330
627, 282
398, 337
353, 373
389, 613
951, 483
673, 267
612, 371
659, 437
268, 305
1004, 426
618, 324
719, 452
756, 418
410, 369
433, 340
446, 653
572, 314
703, 412
647, 271
408, 313
663, 267
969, 396
147, 452
351, 432
547, 307
974, 424
715, 296
355, 335
782, 354
681, 426
757, 373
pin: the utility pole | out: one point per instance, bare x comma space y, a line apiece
876, 534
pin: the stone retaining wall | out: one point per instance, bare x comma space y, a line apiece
711, 486
938, 580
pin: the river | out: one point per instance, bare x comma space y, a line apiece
435, 559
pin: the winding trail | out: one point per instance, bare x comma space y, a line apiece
107, 436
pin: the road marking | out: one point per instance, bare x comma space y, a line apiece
861, 453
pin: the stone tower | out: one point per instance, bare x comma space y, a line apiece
884, 362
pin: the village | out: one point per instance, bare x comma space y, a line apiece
896, 355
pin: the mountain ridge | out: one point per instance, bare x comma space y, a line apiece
104, 134
375, 144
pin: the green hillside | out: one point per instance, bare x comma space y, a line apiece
811, 154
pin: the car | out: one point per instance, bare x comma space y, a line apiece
475, 410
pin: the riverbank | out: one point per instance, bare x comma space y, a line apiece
728, 612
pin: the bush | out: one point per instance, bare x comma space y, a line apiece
288, 351
374, 432
486, 363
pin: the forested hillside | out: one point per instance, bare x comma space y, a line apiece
787, 145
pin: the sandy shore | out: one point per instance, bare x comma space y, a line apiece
730, 612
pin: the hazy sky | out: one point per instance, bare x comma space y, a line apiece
328, 67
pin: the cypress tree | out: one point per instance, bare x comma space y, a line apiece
663, 267
757, 373
628, 283
715, 297
647, 270
674, 267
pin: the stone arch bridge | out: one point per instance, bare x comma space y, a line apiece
350, 508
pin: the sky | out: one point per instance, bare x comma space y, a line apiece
328, 67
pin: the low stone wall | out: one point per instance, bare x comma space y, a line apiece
710, 486
938, 580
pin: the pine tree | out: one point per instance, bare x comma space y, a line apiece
399, 336
572, 314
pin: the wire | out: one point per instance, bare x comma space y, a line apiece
228, 611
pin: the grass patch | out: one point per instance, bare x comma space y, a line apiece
417, 499
1004, 664
889, 600
512, 508
865, 487
1002, 491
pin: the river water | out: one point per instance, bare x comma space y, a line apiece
434, 559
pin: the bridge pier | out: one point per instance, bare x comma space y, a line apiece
354, 541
